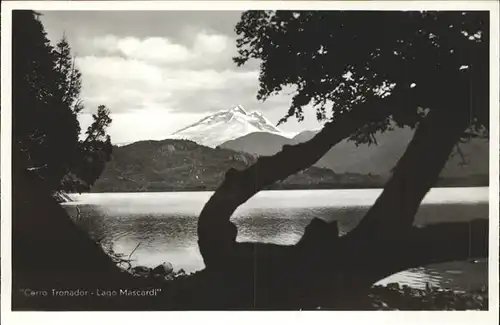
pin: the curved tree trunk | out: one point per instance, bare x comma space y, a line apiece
216, 233
323, 268
49, 252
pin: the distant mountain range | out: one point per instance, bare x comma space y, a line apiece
183, 165
226, 125
379, 159
197, 157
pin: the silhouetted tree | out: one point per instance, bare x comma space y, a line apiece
93, 153
46, 88
366, 75
376, 71
337, 60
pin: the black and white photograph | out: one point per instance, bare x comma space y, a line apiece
251, 159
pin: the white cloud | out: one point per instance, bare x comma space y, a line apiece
151, 49
131, 72
209, 79
125, 84
162, 50
210, 43
148, 124
154, 49
119, 68
126, 71
157, 72
159, 123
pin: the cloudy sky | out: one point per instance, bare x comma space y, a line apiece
159, 71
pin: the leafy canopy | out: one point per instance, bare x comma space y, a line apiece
46, 104
338, 59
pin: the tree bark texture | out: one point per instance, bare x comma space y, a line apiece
216, 233
322, 269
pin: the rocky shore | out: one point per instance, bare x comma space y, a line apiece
389, 297
395, 297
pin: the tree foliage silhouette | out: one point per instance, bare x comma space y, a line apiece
336, 60
46, 88
376, 70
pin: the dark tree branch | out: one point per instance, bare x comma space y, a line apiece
216, 234
71, 77
420, 246
415, 173
345, 270
382, 244
338, 272
446, 242
463, 161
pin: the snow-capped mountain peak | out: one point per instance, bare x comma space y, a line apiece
239, 109
226, 125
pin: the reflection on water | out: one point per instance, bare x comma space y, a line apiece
165, 224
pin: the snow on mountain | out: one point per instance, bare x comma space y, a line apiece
226, 125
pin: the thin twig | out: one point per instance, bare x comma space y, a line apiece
78, 213
134, 250
462, 156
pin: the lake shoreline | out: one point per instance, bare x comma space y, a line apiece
391, 296
194, 190
165, 224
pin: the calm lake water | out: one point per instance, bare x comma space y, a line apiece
165, 224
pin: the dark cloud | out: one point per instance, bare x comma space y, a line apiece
180, 26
